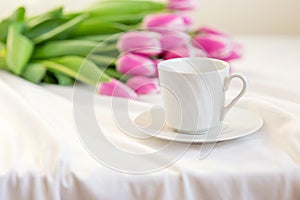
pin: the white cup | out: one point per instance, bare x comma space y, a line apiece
193, 93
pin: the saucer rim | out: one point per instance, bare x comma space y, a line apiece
192, 138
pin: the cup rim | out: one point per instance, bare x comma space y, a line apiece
162, 65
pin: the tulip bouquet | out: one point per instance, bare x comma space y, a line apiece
165, 36
53, 46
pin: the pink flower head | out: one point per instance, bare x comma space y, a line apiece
116, 88
184, 51
143, 85
211, 43
134, 64
208, 30
218, 46
187, 20
141, 42
235, 53
166, 22
173, 40
182, 4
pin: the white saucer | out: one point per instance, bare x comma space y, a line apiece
238, 123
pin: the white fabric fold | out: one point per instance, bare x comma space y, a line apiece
42, 155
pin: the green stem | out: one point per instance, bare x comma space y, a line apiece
104, 48
98, 38
101, 60
60, 29
3, 63
115, 74
57, 67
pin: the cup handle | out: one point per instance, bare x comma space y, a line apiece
241, 93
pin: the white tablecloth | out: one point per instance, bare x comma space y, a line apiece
42, 156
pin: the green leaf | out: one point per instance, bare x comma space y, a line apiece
63, 79
19, 49
103, 48
98, 37
127, 19
62, 29
2, 56
73, 47
76, 67
2, 46
3, 63
43, 28
122, 7
94, 27
2, 49
35, 72
52, 14
115, 74
102, 61
63, 48
17, 16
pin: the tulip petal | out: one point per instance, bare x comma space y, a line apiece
176, 53
208, 30
182, 4
117, 89
236, 53
133, 64
187, 20
143, 85
173, 40
165, 22
217, 44
141, 42
211, 43
184, 51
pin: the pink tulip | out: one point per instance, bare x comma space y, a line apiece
211, 43
134, 64
184, 51
141, 42
218, 46
182, 4
187, 20
173, 40
117, 89
166, 22
208, 30
143, 85
236, 52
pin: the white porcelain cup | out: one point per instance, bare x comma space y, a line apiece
193, 92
